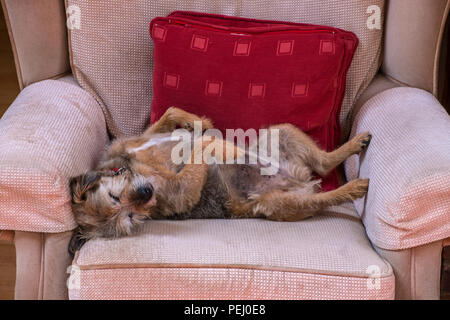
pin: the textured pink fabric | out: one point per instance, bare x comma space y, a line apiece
226, 284
328, 256
111, 53
52, 131
408, 163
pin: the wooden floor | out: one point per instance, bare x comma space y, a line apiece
9, 88
7, 270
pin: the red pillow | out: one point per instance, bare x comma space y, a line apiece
246, 73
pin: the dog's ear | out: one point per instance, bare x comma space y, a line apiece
77, 240
116, 152
82, 184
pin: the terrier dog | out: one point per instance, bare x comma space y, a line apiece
137, 181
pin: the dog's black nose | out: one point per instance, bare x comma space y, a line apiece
144, 193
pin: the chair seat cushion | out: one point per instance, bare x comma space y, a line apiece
325, 257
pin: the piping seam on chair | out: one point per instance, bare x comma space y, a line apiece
438, 49
41, 273
396, 81
115, 266
413, 273
59, 76
56, 77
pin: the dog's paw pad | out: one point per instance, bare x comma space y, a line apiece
358, 188
206, 124
366, 141
362, 141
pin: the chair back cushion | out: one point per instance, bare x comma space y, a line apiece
111, 50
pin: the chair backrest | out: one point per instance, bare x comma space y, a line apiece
39, 39
111, 51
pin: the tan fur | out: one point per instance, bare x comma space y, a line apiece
177, 189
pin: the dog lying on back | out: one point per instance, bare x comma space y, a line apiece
137, 181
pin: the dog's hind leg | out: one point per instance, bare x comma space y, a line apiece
175, 117
293, 206
297, 146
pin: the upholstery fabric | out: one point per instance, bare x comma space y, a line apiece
38, 37
417, 271
42, 260
224, 284
52, 131
325, 257
379, 84
111, 53
228, 69
408, 164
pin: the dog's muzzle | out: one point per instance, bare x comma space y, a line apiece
144, 194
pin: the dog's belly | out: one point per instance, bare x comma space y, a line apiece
239, 181
244, 181
212, 204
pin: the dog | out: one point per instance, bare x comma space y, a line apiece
136, 180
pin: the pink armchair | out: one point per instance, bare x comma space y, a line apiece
387, 245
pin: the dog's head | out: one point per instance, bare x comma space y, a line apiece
111, 203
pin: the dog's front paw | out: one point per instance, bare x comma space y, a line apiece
188, 126
206, 124
357, 188
361, 142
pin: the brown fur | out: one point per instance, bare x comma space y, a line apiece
151, 186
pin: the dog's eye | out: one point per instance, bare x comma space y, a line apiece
116, 199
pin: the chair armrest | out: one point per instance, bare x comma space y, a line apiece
408, 164
52, 131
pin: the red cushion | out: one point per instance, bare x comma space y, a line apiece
246, 73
